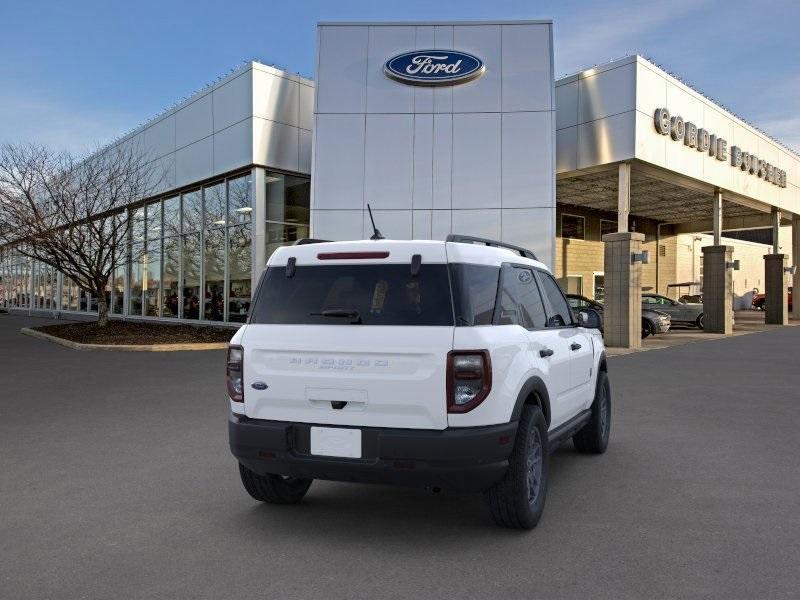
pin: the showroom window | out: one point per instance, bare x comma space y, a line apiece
607, 227
288, 209
573, 227
189, 255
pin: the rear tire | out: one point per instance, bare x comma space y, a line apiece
648, 328
593, 438
517, 501
273, 489
700, 321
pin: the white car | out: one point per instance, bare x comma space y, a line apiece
453, 365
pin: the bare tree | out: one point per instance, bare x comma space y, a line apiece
70, 213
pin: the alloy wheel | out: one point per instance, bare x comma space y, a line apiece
534, 465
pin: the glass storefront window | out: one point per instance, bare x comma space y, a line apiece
281, 234
192, 211
137, 225
74, 300
172, 216
190, 260
151, 262
135, 281
239, 272
288, 198
240, 209
215, 207
169, 278
48, 286
153, 220
214, 292
65, 294
118, 286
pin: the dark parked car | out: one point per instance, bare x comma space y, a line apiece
653, 321
683, 313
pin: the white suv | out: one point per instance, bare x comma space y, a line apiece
450, 365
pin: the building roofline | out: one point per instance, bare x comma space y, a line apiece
237, 71
433, 23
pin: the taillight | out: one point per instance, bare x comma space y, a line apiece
234, 373
469, 379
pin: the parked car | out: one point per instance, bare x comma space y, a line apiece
759, 300
653, 321
682, 313
445, 365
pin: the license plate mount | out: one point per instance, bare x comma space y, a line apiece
339, 442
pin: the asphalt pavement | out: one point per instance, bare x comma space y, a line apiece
116, 482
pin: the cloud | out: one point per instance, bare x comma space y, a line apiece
33, 116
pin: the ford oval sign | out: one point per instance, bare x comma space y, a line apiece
434, 67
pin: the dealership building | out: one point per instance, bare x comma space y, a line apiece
621, 177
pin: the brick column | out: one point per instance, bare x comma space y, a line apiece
776, 289
622, 314
717, 290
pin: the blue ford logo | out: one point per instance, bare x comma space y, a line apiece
434, 67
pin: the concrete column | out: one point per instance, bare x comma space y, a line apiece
796, 263
717, 218
717, 289
776, 231
258, 198
623, 197
776, 289
622, 315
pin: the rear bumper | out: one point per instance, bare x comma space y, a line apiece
471, 459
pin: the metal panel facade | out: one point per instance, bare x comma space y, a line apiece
606, 114
436, 160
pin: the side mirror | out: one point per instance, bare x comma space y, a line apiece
589, 318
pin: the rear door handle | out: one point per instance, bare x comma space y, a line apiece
574, 346
545, 353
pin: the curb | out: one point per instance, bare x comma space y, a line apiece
123, 347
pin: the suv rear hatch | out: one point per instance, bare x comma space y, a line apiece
349, 333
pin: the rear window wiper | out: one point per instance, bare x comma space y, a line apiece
342, 313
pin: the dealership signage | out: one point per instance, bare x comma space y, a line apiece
434, 67
704, 141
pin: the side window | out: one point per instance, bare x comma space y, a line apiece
520, 300
560, 314
474, 293
649, 300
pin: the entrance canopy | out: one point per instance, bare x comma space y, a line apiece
662, 196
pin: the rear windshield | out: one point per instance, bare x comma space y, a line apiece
350, 294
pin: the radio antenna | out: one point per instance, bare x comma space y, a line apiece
377, 233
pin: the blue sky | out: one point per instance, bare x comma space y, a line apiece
75, 74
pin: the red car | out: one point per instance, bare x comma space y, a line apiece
760, 299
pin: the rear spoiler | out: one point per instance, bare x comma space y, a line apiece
306, 241
468, 239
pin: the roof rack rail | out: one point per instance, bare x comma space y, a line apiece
468, 239
305, 241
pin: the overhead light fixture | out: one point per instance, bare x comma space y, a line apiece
271, 179
244, 209
220, 222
